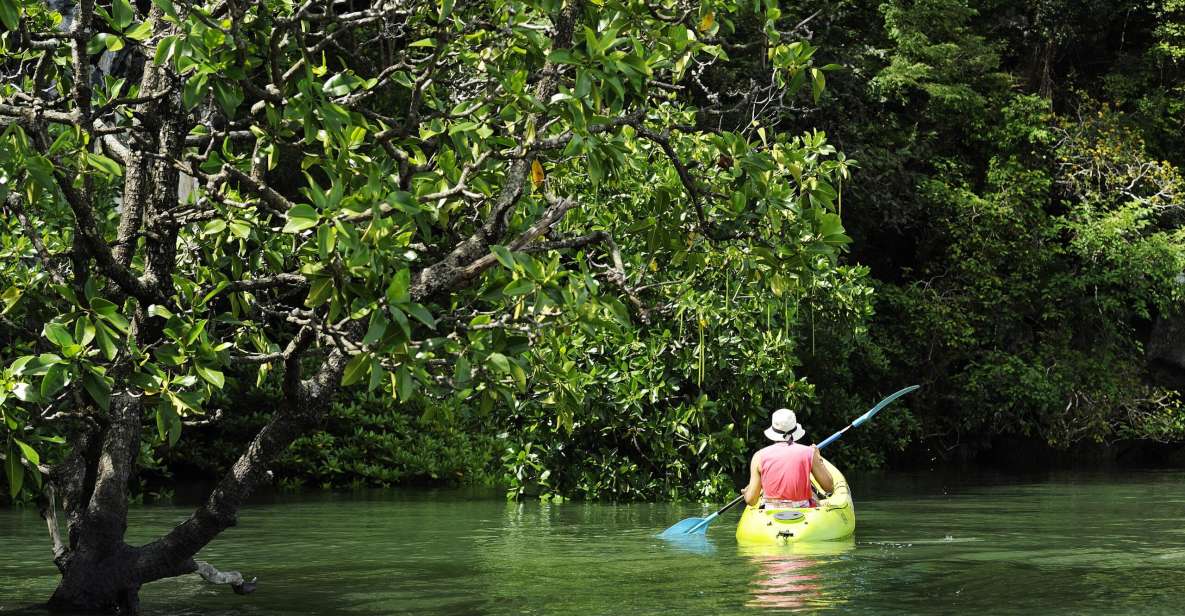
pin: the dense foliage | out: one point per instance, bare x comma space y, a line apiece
1017, 199
1020, 208
1013, 189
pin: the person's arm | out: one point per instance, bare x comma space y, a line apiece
753, 490
822, 475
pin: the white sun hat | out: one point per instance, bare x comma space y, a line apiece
785, 427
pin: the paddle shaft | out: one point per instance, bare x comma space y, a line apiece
708, 520
834, 437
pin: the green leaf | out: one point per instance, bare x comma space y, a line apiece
398, 290
110, 312
168, 423
499, 362
376, 329
54, 380
503, 255
10, 297
104, 41
356, 369
229, 96
122, 13
301, 217
164, 49
142, 32
170, 354
376, 375
214, 227
522, 286
211, 375
104, 164
174, 429
462, 372
446, 9
15, 472
84, 331
401, 318
520, 376
319, 291
422, 315
326, 241
38, 365
818, 82
194, 90
106, 341
57, 334
407, 384
195, 332
98, 388
156, 310
24, 392
28, 452
10, 14
167, 7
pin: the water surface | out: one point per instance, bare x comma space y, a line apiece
1063, 543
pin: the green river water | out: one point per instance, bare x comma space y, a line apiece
1062, 543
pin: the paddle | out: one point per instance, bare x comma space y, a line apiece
866, 416
699, 526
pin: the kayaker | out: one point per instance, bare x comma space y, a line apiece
783, 470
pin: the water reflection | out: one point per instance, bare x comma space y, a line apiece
792, 576
695, 544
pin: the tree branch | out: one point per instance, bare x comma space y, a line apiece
49, 512
234, 578
303, 406
270, 282
87, 229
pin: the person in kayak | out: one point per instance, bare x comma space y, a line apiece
783, 470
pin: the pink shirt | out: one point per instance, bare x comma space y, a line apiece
786, 471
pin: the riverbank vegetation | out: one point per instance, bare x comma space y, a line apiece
1017, 214
580, 268
564, 223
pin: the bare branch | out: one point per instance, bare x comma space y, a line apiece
274, 200
270, 282
49, 512
234, 578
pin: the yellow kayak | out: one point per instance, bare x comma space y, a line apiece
834, 518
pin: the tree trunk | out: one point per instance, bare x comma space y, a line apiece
99, 582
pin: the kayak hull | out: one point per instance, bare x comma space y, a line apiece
833, 519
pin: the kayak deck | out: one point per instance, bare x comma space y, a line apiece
834, 518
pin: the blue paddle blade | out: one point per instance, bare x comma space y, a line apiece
685, 527
882, 404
